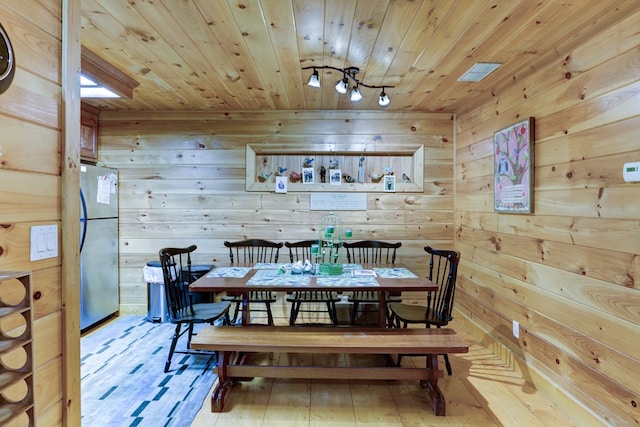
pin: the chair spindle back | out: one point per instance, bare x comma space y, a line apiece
371, 252
252, 251
176, 271
443, 270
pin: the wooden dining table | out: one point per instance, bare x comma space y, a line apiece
242, 279
236, 345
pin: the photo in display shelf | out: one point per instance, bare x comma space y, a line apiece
308, 176
335, 177
389, 183
513, 168
281, 184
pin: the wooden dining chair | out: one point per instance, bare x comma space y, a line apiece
309, 301
177, 275
250, 252
375, 253
443, 271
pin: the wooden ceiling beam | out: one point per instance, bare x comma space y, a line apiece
107, 75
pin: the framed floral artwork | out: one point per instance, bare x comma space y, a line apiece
513, 168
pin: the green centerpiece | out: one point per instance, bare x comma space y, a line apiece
329, 251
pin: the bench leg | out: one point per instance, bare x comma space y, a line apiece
431, 385
224, 383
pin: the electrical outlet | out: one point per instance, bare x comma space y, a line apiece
516, 329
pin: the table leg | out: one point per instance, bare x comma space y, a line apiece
245, 309
382, 309
431, 384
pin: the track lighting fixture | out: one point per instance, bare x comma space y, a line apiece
342, 86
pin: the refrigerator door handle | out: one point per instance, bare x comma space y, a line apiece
83, 220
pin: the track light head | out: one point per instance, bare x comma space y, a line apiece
383, 100
355, 94
342, 86
314, 80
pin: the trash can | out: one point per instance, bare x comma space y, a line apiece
197, 271
156, 299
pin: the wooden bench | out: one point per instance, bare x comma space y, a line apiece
233, 343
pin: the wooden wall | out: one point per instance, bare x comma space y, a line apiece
182, 182
30, 181
570, 272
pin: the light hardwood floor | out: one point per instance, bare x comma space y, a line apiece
484, 390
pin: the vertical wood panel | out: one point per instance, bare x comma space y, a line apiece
70, 208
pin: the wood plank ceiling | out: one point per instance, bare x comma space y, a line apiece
248, 54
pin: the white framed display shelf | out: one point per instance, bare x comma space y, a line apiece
264, 160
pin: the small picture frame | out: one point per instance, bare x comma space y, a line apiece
281, 184
389, 183
335, 177
308, 176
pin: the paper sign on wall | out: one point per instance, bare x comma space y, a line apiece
338, 202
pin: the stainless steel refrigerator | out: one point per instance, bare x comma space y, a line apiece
99, 295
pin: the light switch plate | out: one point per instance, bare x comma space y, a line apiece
44, 242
